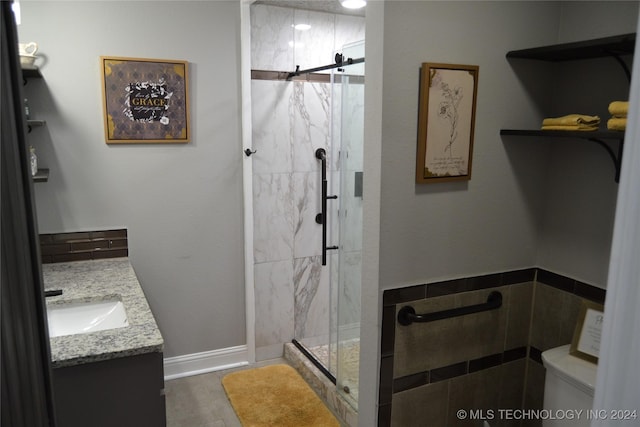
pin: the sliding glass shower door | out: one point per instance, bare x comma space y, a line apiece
349, 125
327, 297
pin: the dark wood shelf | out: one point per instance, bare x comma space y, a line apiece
41, 176
597, 48
34, 72
598, 134
34, 123
606, 47
31, 72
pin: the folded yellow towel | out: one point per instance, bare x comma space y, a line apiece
571, 127
617, 123
619, 108
571, 120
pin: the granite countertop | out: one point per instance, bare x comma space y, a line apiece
99, 280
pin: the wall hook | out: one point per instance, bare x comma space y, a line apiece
249, 152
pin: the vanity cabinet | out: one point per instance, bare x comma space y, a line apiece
112, 377
614, 47
123, 392
34, 73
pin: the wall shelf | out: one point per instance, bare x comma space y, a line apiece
594, 136
599, 134
597, 48
41, 176
34, 123
613, 47
31, 72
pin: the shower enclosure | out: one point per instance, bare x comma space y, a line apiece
339, 352
297, 298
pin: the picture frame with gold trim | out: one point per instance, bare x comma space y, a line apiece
586, 337
145, 100
446, 122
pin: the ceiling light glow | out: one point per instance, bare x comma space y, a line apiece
353, 4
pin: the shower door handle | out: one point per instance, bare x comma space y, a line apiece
321, 218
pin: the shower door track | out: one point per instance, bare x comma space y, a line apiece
307, 78
314, 360
310, 74
340, 62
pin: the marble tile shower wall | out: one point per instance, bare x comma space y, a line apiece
277, 46
290, 120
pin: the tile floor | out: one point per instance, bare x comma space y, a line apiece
200, 400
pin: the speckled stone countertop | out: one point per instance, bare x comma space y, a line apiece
99, 280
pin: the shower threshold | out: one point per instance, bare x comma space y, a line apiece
321, 384
313, 359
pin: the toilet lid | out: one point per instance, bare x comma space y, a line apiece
579, 372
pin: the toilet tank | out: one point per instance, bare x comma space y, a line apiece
569, 385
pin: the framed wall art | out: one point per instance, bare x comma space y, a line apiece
586, 337
446, 122
145, 100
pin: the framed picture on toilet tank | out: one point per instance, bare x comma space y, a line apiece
446, 122
586, 337
145, 100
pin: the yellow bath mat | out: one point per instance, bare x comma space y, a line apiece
275, 395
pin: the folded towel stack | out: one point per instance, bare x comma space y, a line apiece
572, 122
618, 120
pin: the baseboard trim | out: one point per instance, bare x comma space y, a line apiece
207, 361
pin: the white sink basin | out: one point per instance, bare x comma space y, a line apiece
82, 318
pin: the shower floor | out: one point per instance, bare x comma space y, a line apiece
350, 365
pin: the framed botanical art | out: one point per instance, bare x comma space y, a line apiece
446, 122
145, 100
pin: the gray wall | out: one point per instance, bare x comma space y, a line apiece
579, 209
182, 204
490, 223
582, 20
528, 202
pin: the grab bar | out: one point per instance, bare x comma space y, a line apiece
321, 218
407, 314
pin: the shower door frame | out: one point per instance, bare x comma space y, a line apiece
248, 169
247, 179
